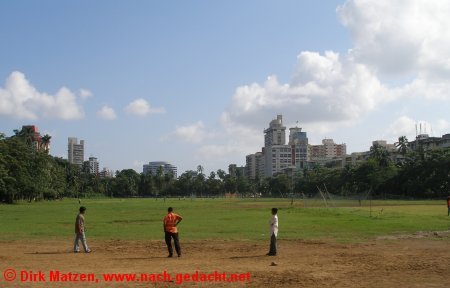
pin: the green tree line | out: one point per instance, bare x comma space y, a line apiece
414, 174
28, 172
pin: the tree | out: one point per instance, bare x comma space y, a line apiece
213, 186
280, 185
185, 183
199, 180
45, 142
402, 145
221, 174
380, 154
125, 183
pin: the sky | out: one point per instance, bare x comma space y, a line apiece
196, 82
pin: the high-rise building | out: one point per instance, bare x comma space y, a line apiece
327, 151
274, 140
277, 155
298, 141
276, 133
93, 165
155, 166
75, 151
254, 165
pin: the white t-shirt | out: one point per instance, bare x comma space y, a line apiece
273, 224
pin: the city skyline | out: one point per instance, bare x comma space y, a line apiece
196, 83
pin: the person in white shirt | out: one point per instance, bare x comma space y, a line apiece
273, 225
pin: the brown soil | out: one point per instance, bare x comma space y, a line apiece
402, 262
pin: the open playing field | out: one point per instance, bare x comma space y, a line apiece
390, 244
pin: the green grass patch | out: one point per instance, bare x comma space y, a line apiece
228, 219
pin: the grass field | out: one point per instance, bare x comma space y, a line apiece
227, 219
371, 245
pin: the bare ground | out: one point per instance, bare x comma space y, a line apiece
384, 262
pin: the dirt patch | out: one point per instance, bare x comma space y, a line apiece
418, 234
408, 262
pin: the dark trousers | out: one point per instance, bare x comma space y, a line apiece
273, 245
176, 241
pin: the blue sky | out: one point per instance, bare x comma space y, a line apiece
196, 82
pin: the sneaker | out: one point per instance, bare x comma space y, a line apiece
89, 251
169, 256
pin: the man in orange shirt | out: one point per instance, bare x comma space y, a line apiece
170, 223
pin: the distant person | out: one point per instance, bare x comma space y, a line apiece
80, 230
170, 222
273, 227
448, 205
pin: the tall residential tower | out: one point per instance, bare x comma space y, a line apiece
75, 151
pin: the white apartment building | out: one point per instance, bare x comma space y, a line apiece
277, 155
254, 165
153, 167
93, 165
75, 151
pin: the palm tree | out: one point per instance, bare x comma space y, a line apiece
46, 142
199, 180
221, 174
402, 145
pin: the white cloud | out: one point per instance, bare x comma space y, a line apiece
443, 127
84, 94
194, 133
107, 113
399, 36
20, 99
406, 126
324, 88
406, 42
402, 126
141, 107
406, 38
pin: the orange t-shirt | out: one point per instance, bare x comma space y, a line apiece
169, 222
